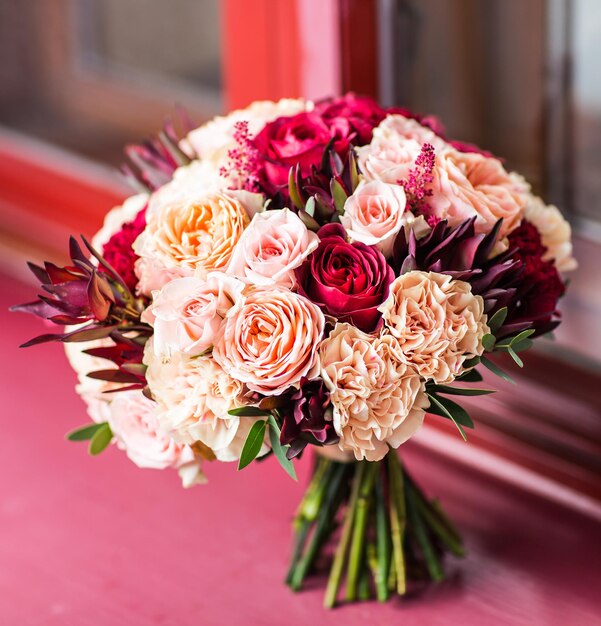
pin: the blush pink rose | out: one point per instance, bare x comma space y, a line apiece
188, 312
269, 341
468, 184
375, 213
271, 247
396, 144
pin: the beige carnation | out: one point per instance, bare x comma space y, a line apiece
194, 396
555, 233
437, 321
378, 400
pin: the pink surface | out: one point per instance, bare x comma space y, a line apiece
100, 542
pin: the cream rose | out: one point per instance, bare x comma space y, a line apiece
467, 184
437, 321
194, 396
375, 213
378, 400
212, 141
555, 233
396, 144
187, 312
269, 341
136, 429
271, 247
188, 235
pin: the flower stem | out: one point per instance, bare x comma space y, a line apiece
417, 523
398, 519
383, 543
342, 548
325, 517
366, 473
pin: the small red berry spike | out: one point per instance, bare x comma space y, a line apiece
243, 159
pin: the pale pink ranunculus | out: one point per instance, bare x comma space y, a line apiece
269, 341
133, 421
396, 144
274, 243
375, 213
467, 184
378, 400
194, 396
188, 312
437, 321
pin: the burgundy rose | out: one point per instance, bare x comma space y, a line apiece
346, 280
540, 285
360, 112
297, 140
306, 419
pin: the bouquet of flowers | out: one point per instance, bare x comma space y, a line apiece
326, 274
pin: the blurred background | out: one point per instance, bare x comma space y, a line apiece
79, 79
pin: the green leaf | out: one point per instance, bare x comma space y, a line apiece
515, 357
523, 345
83, 433
461, 391
440, 409
523, 335
354, 171
488, 341
293, 190
497, 320
460, 415
471, 376
247, 411
310, 206
495, 369
101, 439
253, 444
469, 363
278, 449
338, 195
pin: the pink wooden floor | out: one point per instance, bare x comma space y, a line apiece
95, 542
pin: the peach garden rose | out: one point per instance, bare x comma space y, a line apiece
269, 341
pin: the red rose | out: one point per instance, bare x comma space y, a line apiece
346, 280
540, 285
361, 113
286, 142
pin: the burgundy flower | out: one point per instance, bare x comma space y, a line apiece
362, 113
306, 418
540, 285
118, 251
347, 280
297, 140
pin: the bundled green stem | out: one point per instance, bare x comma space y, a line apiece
388, 533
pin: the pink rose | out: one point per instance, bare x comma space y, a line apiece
269, 341
361, 112
396, 144
297, 140
271, 247
188, 312
374, 214
467, 184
